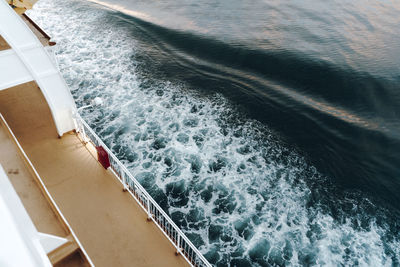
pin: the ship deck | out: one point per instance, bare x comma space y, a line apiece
111, 226
34, 201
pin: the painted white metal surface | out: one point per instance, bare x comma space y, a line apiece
28, 52
51, 242
19, 239
12, 70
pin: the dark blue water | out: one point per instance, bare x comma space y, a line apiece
268, 130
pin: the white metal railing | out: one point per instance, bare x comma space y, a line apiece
149, 205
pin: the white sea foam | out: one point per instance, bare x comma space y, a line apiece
237, 192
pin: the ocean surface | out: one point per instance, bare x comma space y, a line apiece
268, 130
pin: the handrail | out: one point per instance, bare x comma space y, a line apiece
154, 212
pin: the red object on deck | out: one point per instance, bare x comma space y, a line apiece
102, 157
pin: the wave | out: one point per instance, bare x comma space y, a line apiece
235, 186
342, 118
323, 86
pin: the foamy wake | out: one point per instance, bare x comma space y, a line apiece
239, 194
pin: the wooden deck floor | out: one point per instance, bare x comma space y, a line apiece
3, 44
108, 222
26, 187
33, 198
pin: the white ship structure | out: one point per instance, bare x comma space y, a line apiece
65, 199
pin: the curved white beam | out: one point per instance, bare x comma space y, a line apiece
12, 70
38, 64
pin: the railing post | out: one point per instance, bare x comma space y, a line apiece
84, 134
148, 209
124, 182
178, 245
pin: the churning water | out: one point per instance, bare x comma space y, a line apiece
268, 131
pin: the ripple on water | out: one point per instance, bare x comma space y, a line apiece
242, 196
